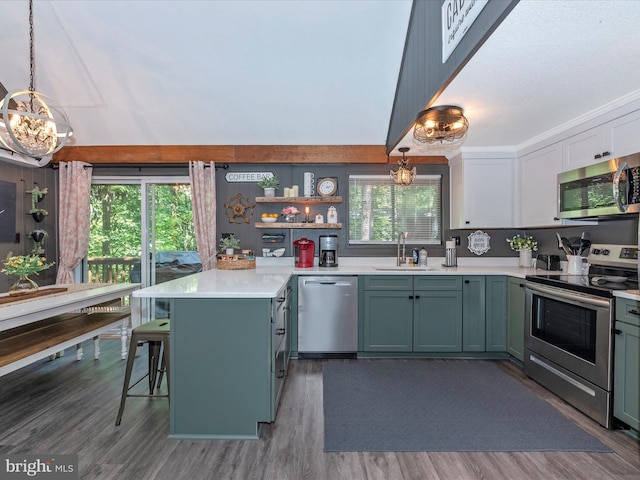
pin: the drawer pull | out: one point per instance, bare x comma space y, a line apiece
634, 312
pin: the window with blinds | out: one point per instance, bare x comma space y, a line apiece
379, 209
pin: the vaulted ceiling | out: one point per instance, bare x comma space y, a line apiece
194, 72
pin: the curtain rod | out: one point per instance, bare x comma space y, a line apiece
56, 166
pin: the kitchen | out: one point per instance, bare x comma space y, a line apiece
616, 231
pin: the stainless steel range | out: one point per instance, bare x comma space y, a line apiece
569, 328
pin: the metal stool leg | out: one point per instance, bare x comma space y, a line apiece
127, 376
154, 360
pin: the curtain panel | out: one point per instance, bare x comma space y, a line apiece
73, 217
203, 201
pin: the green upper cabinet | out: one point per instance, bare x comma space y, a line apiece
515, 317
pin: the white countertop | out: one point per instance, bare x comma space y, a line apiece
271, 274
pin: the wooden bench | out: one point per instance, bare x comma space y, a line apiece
26, 344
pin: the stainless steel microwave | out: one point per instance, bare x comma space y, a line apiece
600, 190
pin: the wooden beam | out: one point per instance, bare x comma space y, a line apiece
289, 154
141, 154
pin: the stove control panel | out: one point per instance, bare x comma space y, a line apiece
613, 255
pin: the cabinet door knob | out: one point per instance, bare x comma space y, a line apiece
410, 297
280, 331
604, 154
467, 222
597, 155
617, 332
417, 297
466, 281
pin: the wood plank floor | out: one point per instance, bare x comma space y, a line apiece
69, 407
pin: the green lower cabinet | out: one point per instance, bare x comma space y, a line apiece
496, 313
473, 313
222, 377
626, 380
388, 325
434, 314
515, 318
437, 321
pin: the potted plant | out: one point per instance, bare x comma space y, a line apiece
229, 244
269, 185
524, 245
22, 266
38, 214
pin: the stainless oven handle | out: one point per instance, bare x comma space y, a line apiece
569, 295
565, 377
616, 187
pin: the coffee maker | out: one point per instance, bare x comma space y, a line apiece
304, 250
328, 251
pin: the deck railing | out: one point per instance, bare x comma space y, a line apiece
110, 270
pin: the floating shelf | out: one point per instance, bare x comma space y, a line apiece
308, 226
299, 200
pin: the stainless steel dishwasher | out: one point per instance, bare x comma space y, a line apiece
327, 316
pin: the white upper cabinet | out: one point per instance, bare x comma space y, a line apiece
482, 194
624, 134
538, 187
613, 139
585, 149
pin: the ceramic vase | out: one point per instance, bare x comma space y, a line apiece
525, 257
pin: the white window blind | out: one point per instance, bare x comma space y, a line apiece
379, 209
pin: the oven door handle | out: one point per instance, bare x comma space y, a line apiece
570, 296
616, 187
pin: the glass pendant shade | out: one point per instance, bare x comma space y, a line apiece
404, 175
33, 124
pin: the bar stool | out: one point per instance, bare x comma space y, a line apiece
156, 333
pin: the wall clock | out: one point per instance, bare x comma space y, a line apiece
327, 186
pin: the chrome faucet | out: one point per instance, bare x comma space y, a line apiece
402, 237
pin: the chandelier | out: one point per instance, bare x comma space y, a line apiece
403, 176
33, 124
440, 125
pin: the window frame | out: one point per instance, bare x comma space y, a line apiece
388, 247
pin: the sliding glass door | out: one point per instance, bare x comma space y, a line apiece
141, 231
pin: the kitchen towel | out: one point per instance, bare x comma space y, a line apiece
440, 406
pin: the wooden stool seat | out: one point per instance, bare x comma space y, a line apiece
156, 333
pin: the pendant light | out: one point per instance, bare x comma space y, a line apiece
33, 124
440, 125
403, 176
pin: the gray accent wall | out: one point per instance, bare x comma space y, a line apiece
24, 179
422, 75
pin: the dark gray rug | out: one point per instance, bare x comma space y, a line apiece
440, 406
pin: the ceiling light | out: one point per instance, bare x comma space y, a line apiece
440, 125
403, 176
32, 124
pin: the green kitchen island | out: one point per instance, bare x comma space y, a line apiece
229, 350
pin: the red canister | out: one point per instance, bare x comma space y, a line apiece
304, 251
